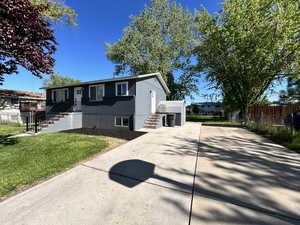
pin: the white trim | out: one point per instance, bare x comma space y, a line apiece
103, 92
62, 90
122, 122
153, 101
127, 88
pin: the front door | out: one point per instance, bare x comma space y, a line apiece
153, 101
77, 98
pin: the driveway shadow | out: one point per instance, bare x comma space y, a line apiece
251, 167
116, 133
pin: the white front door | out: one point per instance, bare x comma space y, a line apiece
77, 98
153, 101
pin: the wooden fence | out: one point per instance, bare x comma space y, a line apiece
271, 114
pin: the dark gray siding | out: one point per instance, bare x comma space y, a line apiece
102, 114
49, 101
143, 99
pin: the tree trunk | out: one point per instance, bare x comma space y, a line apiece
244, 117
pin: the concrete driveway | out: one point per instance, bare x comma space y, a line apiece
138, 183
243, 178
237, 178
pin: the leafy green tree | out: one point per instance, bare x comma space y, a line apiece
57, 11
160, 39
247, 46
26, 39
57, 80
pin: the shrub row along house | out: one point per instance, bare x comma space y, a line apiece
131, 102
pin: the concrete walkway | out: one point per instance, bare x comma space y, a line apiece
141, 182
243, 178
157, 179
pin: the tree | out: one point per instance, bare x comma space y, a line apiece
248, 46
57, 80
25, 39
160, 39
57, 11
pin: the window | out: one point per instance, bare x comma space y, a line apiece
60, 95
122, 89
97, 92
121, 121
14, 101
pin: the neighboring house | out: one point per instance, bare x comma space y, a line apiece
16, 105
206, 108
127, 102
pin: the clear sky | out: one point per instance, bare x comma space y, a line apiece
81, 51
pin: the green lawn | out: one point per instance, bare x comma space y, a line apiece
209, 119
26, 160
11, 129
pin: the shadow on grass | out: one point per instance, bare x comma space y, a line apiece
115, 133
8, 141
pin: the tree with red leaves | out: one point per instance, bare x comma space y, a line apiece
26, 39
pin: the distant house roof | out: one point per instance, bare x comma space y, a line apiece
21, 94
158, 75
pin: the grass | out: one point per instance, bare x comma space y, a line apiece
280, 135
11, 129
209, 119
295, 145
27, 160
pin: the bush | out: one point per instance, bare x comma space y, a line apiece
282, 135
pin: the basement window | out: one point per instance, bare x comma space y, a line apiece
121, 121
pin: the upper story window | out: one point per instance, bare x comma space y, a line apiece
60, 95
97, 92
122, 89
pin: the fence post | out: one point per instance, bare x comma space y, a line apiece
292, 125
35, 123
27, 124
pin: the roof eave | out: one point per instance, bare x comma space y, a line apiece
116, 79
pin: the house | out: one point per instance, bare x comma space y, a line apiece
205, 108
15, 106
131, 102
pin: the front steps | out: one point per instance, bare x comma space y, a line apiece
52, 118
61, 121
153, 121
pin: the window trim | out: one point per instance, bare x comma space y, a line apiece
127, 88
122, 122
62, 90
103, 94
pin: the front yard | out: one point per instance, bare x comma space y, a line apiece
27, 160
11, 129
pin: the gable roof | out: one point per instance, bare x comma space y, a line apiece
158, 75
21, 94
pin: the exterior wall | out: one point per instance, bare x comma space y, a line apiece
102, 114
69, 122
49, 101
143, 99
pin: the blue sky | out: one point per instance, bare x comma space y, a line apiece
81, 51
